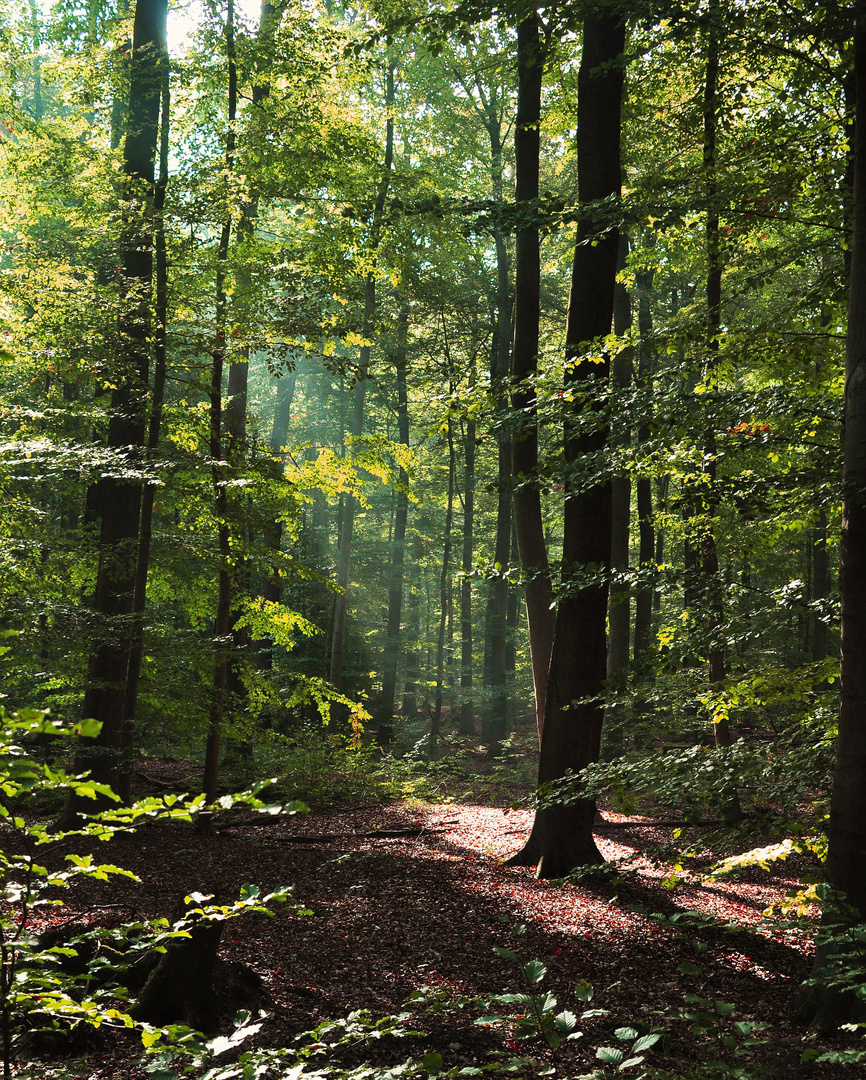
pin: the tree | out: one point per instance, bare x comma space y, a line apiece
561, 836
121, 492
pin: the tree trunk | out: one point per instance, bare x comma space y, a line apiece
619, 613
538, 593
561, 836
218, 354
390, 660
139, 602
338, 637
467, 710
846, 867
436, 721
709, 557
643, 604
121, 496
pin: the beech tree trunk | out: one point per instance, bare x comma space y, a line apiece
390, 660
347, 524
145, 536
538, 593
643, 604
561, 836
222, 622
846, 866
108, 668
436, 720
467, 708
619, 613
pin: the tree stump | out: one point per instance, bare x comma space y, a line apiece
180, 987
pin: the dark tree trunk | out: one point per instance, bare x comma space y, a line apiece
643, 604
820, 588
222, 622
846, 866
619, 613
390, 660
561, 836
121, 496
180, 987
145, 536
444, 577
467, 710
347, 524
273, 533
531, 55
709, 557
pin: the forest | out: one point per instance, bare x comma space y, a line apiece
432, 539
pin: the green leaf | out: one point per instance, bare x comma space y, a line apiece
611, 1055
506, 954
688, 968
583, 991
534, 972
626, 1033
432, 1062
629, 1063
645, 1043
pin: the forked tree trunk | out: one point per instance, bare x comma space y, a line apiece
561, 836
531, 55
846, 866
105, 692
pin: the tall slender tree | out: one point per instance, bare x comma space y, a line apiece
561, 836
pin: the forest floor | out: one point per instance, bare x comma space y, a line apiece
396, 914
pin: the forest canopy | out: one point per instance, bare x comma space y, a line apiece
429, 382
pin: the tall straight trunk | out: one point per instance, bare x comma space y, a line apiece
347, 524
619, 613
222, 622
118, 542
846, 867
538, 593
561, 836
273, 532
820, 587
643, 604
709, 556
235, 418
467, 710
494, 717
145, 535
391, 658
444, 577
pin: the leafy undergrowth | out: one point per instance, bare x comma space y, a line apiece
435, 920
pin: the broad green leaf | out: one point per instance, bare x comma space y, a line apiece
534, 972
